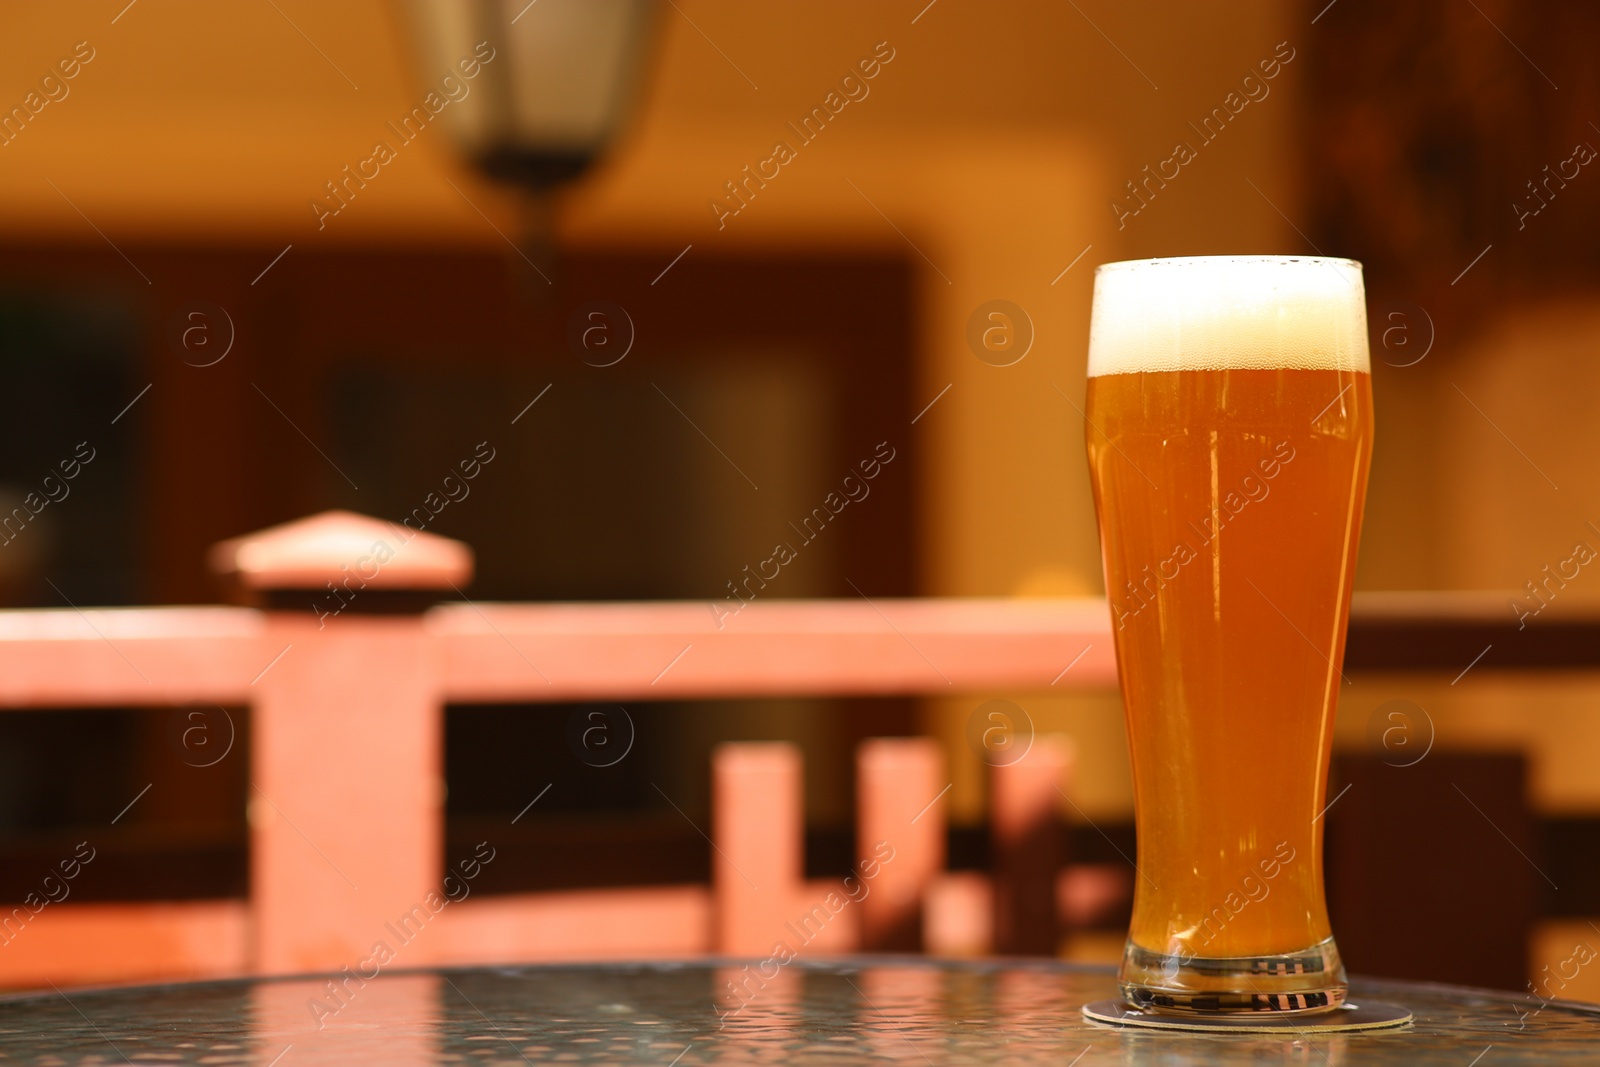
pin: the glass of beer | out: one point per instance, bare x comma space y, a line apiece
1229, 426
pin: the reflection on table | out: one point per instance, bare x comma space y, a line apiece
882, 1010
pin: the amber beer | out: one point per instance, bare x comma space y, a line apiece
1229, 433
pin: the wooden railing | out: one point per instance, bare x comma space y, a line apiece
346, 817
347, 672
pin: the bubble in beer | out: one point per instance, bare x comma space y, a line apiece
999, 732
1000, 333
1400, 733
600, 736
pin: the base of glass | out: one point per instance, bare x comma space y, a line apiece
1305, 982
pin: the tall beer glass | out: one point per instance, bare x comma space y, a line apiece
1229, 432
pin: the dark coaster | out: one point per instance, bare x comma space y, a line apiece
1369, 1015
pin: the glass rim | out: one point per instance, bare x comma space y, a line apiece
1174, 261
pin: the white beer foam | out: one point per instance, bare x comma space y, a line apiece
1228, 313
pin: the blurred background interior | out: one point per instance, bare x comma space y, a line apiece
357, 338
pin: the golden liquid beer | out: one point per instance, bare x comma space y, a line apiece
1229, 434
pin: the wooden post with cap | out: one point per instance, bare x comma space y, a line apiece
346, 791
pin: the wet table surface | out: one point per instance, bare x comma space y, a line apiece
880, 1010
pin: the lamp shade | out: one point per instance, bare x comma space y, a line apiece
551, 81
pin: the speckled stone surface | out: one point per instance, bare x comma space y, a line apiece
879, 1010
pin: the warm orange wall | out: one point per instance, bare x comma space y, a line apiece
995, 138
202, 120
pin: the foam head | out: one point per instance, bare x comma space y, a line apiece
1228, 313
